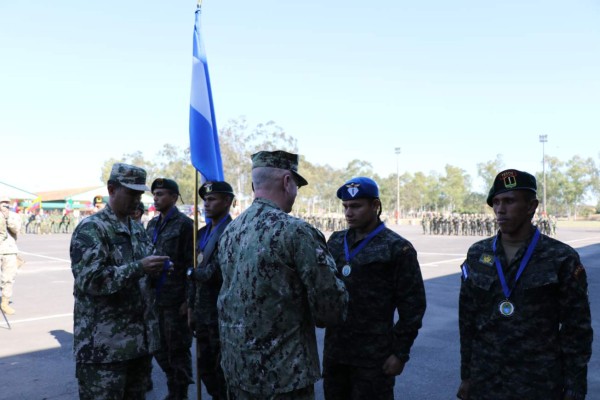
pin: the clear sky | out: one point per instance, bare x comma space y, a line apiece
449, 82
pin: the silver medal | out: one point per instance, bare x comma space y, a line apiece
506, 308
346, 270
200, 258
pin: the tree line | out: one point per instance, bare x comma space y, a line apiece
570, 184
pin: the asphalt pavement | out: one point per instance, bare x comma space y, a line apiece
36, 360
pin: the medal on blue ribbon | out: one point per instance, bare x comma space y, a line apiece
347, 269
506, 307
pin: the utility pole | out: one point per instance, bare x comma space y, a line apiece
543, 140
397, 150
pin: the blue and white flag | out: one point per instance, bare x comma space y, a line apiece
204, 137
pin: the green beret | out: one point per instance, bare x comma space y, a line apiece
215, 187
129, 176
279, 159
511, 179
164, 183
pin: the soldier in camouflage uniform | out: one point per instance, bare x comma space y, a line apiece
10, 226
115, 326
172, 234
364, 354
205, 284
279, 281
524, 316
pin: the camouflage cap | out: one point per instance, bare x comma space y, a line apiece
129, 176
358, 188
511, 179
164, 183
279, 159
215, 187
4, 199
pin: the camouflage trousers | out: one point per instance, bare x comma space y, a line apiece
113, 381
8, 272
174, 355
307, 393
208, 348
347, 382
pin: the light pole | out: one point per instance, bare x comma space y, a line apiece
397, 150
543, 140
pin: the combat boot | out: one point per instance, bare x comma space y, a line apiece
8, 310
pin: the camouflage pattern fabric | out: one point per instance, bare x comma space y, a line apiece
307, 393
205, 284
385, 277
279, 280
175, 239
544, 347
112, 381
114, 318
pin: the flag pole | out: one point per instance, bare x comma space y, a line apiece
198, 381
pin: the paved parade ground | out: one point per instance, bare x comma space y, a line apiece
36, 359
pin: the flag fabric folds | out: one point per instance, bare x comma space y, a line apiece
35, 204
204, 138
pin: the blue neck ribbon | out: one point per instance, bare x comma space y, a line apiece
507, 291
161, 223
209, 232
167, 265
350, 255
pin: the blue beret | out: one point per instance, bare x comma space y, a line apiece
511, 179
358, 188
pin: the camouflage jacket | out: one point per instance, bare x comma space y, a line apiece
206, 280
544, 347
176, 240
9, 229
114, 317
279, 280
385, 277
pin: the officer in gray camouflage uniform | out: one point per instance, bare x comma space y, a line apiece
524, 315
172, 234
114, 322
364, 354
279, 281
205, 284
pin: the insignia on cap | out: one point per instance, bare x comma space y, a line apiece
510, 179
208, 187
353, 189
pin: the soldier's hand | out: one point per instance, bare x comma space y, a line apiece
463, 390
393, 366
153, 265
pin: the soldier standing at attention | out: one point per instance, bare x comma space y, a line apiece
365, 353
524, 315
172, 234
279, 281
115, 328
205, 284
10, 226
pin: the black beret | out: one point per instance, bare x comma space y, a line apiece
215, 187
511, 179
358, 188
164, 183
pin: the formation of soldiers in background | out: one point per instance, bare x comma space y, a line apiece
432, 223
476, 224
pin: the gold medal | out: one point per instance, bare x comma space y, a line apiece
506, 308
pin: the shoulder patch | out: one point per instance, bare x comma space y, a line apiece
487, 259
